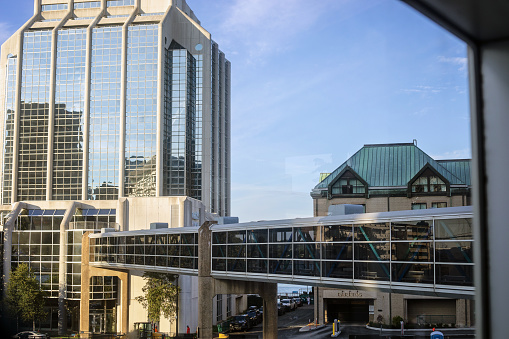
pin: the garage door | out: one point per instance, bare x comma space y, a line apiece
348, 310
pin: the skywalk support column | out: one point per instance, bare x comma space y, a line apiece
87, 272
269, 295
205, 281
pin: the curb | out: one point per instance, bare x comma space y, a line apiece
421, 329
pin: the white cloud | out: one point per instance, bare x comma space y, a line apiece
269, 26
465, 153
459, 61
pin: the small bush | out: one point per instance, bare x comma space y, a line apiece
396, 321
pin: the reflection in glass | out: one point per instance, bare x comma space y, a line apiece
307, 268
236, 237
453, 229
257, 251
457, 251
280, 235
237, 265
306, 251
104, 113
454, 274
280, 267
371, 271
179, 121
280, 251
34, 116
141, 111
413, 273
10, 91
337, 251
372, 232
412, 230
412, 251
337, 269
307, 234
236, 251
338, 233
257, 266
372, 251
257, 236
69, 121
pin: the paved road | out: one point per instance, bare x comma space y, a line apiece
290, 323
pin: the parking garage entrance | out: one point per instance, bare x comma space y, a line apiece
348, 310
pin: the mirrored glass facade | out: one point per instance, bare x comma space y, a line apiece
188, 161
10, 96
69, 109
34, 116
103, 178
141, 111
179, 120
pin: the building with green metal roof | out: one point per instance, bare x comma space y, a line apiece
391, 177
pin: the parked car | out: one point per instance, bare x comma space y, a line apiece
289, 304
280, 309
253, 318
240, 323
298, 301
30, 335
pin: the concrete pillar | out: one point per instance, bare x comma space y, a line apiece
8, 228
17, 98
319, 309
161, 50
269, 295
206, 286
62, 268
122, 218
85, 287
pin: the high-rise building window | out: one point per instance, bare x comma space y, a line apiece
179, 128
69, 119
34, 115
141, 111
105, 113
10, 91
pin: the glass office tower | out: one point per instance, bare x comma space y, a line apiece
104, 101
110, 99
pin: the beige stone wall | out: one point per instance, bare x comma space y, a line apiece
385, 204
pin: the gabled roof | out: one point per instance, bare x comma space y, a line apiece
390, 165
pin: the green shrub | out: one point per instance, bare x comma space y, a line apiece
396, 321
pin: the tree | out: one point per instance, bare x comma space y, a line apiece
25, 297
160, 295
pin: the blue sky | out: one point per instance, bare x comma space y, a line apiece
313, 81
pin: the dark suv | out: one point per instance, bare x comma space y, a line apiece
240, 323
